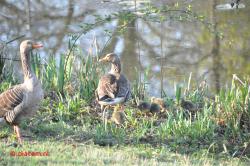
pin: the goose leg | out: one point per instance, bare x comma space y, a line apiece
103, 109
103, 115
17, 131
105, 118
103, 112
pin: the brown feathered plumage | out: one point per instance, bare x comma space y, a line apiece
114, 84
20, 100
107, 87
9, 100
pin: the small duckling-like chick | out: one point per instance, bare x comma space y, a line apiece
155, 108
159, 101
188, 105
118, 116
144, 106
147, 107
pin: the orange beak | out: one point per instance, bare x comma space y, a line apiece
37, 45
102, 60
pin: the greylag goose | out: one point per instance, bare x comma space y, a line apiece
113, 88
22, 100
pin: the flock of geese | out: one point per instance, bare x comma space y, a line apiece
22, 100
113, 90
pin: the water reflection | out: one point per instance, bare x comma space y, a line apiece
170, 50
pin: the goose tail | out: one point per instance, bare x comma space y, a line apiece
113, 101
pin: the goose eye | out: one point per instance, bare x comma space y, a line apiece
30, 44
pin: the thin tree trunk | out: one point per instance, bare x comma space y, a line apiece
216, 50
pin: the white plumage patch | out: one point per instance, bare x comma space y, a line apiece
113, 101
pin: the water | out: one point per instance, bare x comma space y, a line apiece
170, 51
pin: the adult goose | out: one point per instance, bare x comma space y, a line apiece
113, 87
22, 100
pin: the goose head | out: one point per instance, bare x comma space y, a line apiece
111, 57
28, 45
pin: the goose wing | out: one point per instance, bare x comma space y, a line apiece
123, 88
107, 87
9, 100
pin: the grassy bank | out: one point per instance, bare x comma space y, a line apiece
66, 153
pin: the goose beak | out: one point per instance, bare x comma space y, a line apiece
102, 59
37, 45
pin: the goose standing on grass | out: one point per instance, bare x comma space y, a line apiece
22, 100
113, 88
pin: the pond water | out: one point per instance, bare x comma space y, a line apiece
169, 51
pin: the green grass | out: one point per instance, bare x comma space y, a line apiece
66, 153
